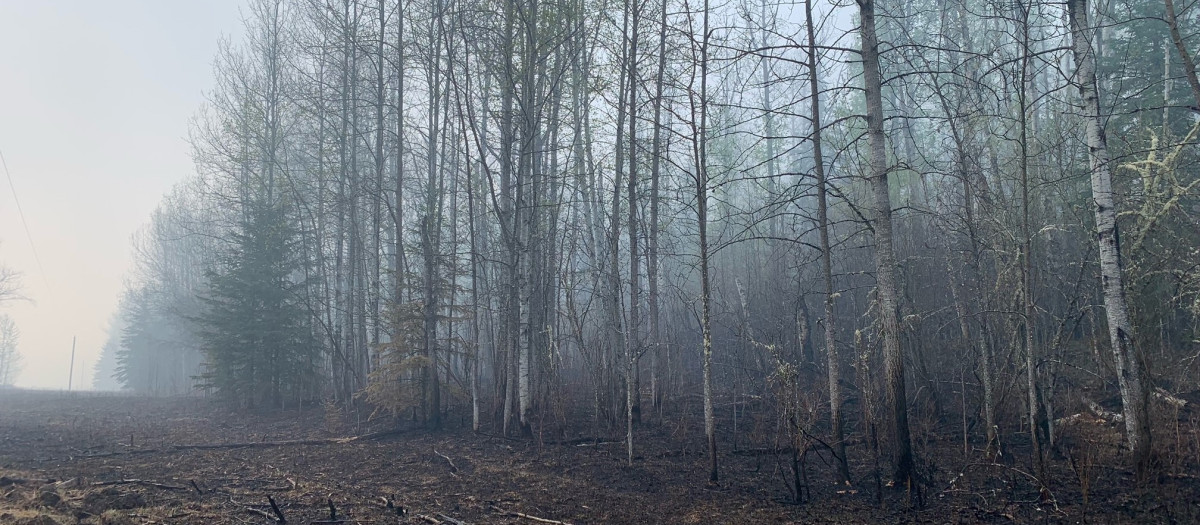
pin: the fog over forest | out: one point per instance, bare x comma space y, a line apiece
911, 249
95, 104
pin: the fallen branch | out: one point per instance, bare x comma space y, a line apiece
535, 518
1102, 412
249, 444
138, 482
583, 442
453, 468
1079, 417
263, 444
119, 453
761, 451
1166, 396
452, 521
259, 512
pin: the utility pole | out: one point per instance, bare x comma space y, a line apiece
71, 373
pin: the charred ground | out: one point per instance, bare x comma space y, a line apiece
99, 459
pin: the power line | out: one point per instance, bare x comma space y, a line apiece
24, 223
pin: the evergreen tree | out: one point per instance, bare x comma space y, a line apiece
139, 358
255, 332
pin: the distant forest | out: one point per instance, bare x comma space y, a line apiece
860, 222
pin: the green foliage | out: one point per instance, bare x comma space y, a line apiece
256, 331
394, 386
1138, 61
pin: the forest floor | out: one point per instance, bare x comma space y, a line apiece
109, 459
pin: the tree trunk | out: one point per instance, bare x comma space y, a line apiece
1189, 65
632, 401
1037, 429
1131, 372
699, 153
885, 258
831, 354
652, 228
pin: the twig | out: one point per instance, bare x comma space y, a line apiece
197, 487
428, 519
1053, 500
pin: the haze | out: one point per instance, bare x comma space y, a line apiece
95, 101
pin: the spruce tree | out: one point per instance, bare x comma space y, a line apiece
256, 331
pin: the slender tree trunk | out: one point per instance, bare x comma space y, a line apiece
401, 266
619, 350
632, 401
509, 307
652, 228
527, 208
431, 369
699, 153
885, 258
1131, 372
831, 353
1189, 65
1037, 428
380, 167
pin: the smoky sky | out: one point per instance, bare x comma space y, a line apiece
95, 102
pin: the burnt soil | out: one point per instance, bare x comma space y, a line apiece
113, 459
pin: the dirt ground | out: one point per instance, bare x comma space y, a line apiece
108, 459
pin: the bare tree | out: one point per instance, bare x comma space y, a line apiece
698, 100
885, 258
10, 357
10, 285
833, 360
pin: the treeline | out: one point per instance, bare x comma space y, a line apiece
810, 219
